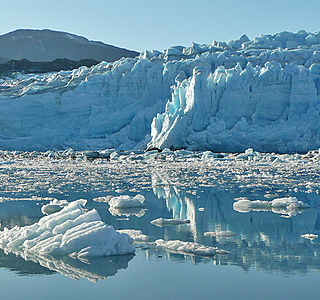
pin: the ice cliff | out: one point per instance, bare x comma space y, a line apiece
227, 96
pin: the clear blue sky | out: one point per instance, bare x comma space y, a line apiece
152, 24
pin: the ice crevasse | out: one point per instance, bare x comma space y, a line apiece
225, 97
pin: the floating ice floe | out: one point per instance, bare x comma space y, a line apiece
287, 206
70, 231
309, 236
137, 235
54, 206
127, 212
125, 201
222, 234
188, 247
162, 222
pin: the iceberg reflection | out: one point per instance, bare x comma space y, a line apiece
93, 269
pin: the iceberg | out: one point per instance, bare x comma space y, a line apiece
224, 97
71, 231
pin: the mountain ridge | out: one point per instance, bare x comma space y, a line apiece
48, 45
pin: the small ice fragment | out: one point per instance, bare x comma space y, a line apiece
186, 247
222, 234
130, 211
53, 206
161, 222
221, 252
309, 236
125, 201
103, 199
288, 204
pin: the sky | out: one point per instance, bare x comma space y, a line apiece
140, 24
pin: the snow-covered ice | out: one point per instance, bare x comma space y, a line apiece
70, 231
224, 97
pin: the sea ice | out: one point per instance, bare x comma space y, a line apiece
162, 222
70, 231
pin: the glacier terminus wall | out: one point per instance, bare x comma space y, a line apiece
224, 97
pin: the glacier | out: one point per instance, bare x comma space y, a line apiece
223, 97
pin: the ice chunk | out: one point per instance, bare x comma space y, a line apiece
162, 222
70, 231
54, 206
125, 201
186, 247
287, 206
309, 236
222, 234
130, 211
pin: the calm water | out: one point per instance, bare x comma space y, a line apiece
268, 258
